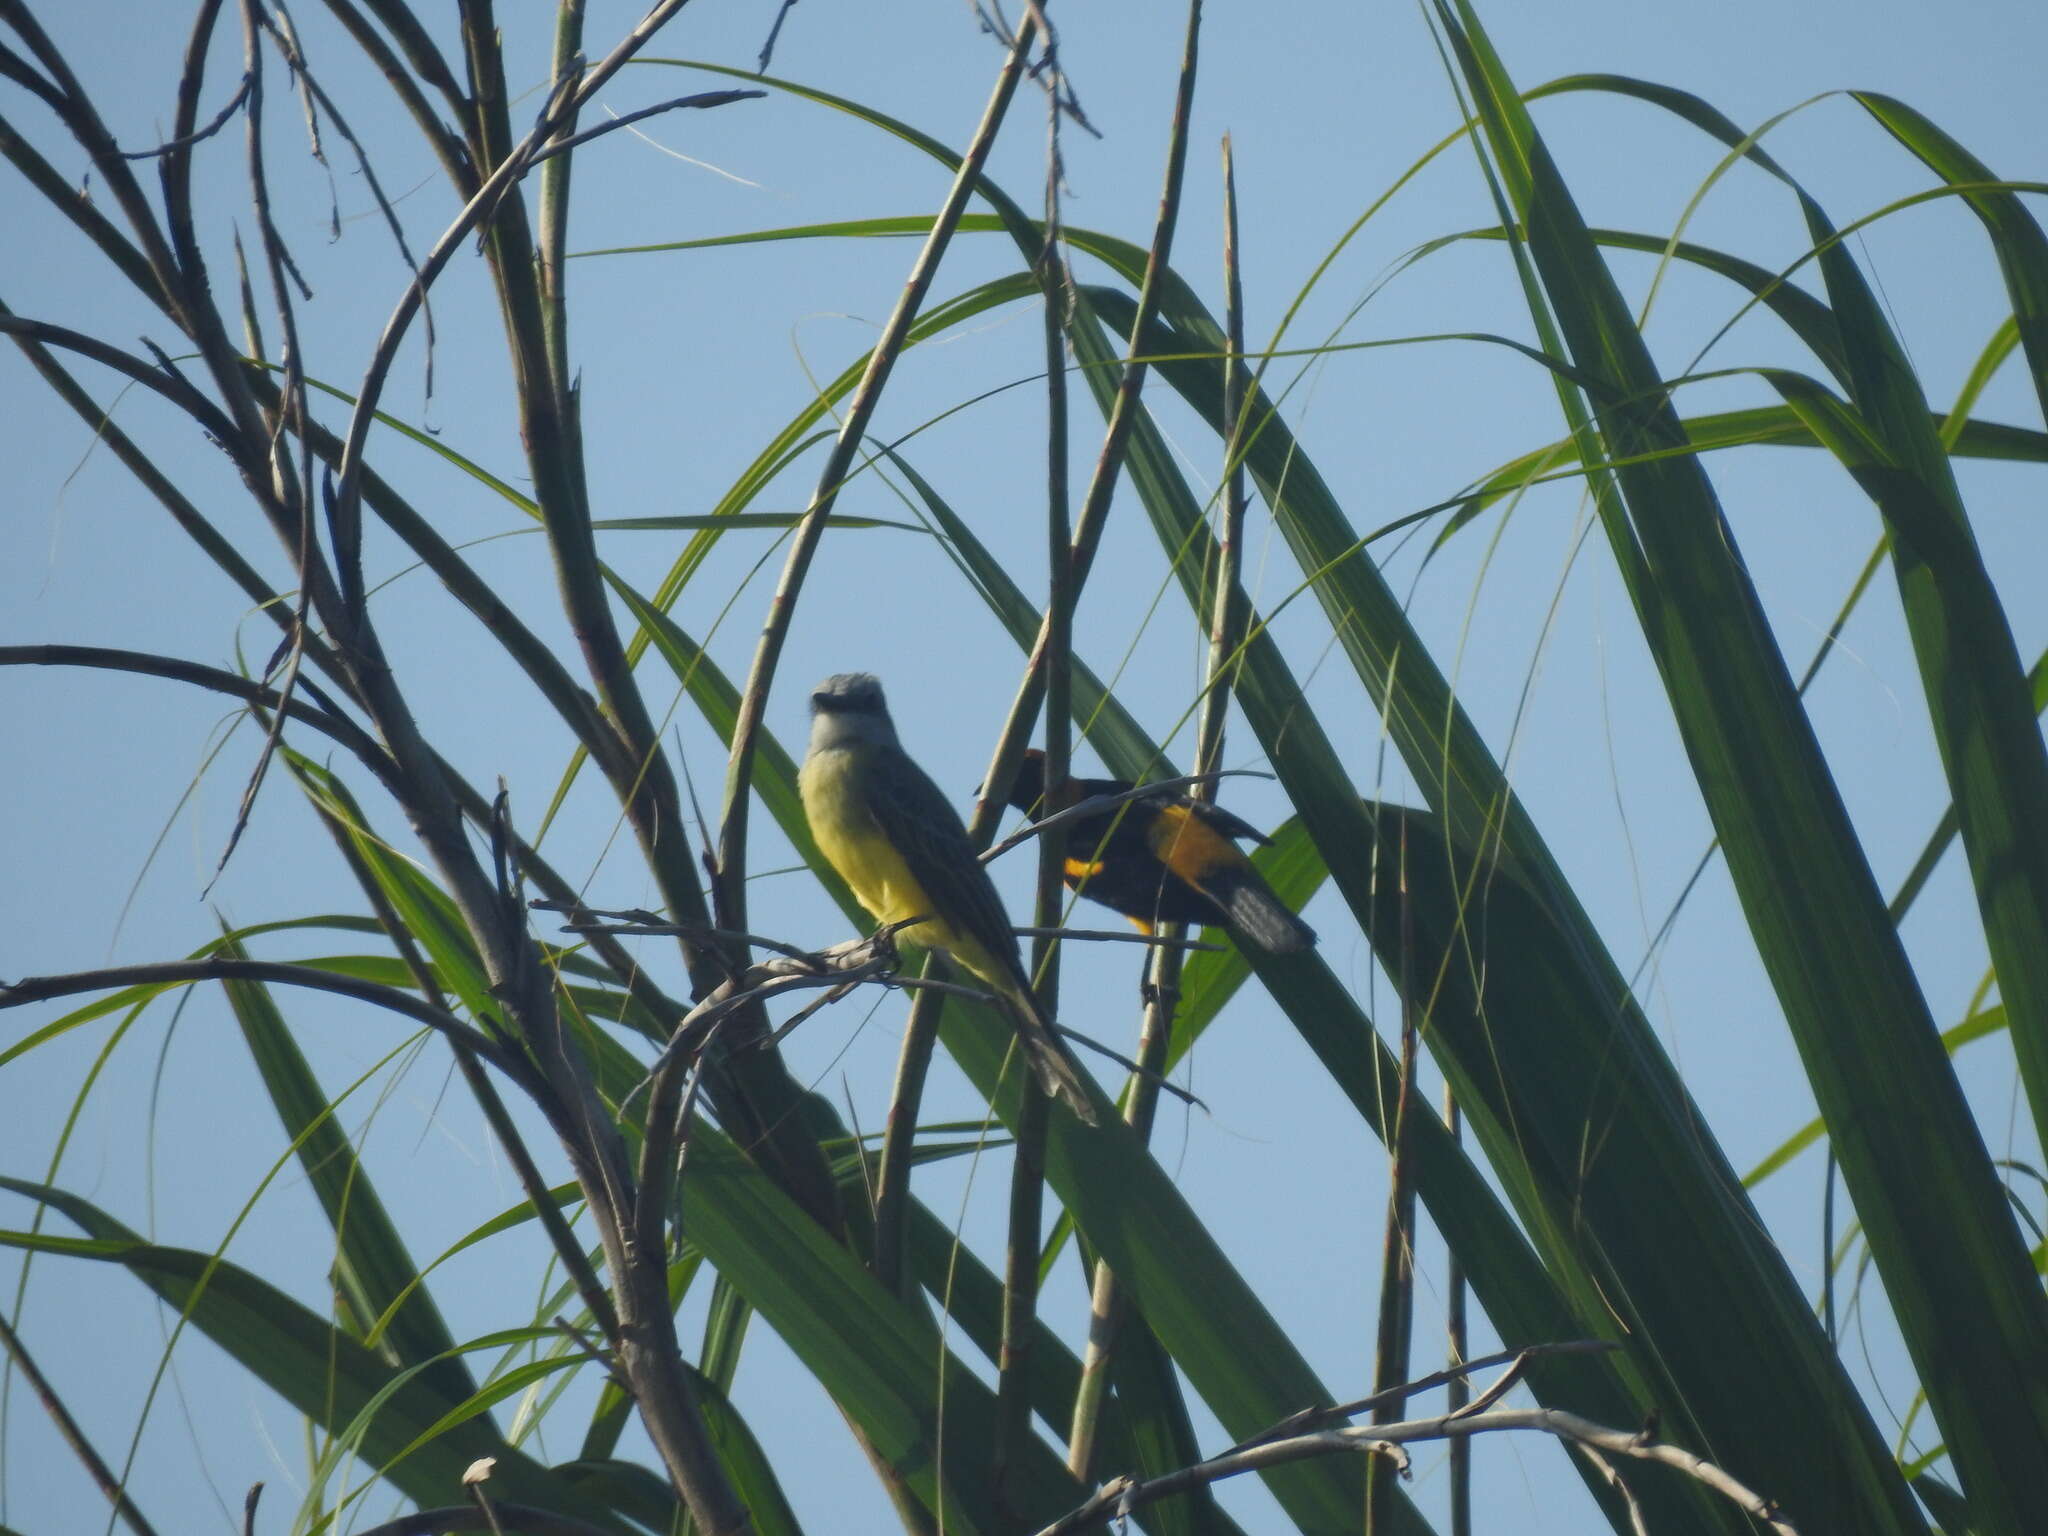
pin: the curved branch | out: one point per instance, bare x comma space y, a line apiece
1124, 1494
127, 364
578, 140
197, 135
338, 728
36, 989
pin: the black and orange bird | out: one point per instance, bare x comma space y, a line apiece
1164, 858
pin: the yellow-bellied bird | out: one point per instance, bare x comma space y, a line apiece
1164, 858
896, 839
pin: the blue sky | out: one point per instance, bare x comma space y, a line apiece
119, 796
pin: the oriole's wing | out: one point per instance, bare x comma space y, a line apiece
918, 821
1223, 822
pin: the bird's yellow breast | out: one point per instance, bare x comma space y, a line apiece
835, 803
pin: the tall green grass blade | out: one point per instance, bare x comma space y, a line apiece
752, 1473
2016, 237
1162, 1437
1960, 1285
882, 1361
1990, 745
1774, 426
429, 915
372, 1268
1719, 1278
1986, 1021
972, 1296
1526, 1305
318, 1369
1216, 1327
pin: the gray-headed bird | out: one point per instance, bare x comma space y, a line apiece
895, 838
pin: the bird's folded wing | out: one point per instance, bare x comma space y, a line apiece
921, 825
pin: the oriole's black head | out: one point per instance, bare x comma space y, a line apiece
1028, 788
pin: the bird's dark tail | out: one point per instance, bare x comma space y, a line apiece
1050, 1064
1257, 913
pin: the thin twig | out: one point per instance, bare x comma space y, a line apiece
1023, 1252
1124, 1494
611, 125
1323, 1418
1397, 1255
1457, 1392
1110, 936
638, 922
1609, 1472
220, 121
163, 973
474, 212
309, 85
1136, 1068
168, 383
596, 1355
337, 727
775, 31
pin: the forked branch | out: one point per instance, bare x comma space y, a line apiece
1117, 1498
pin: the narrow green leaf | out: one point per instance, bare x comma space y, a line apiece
972, 1297
319, 1370
1966, 1298
1248, 1372
882, 1361
372, 1267
1986, 1021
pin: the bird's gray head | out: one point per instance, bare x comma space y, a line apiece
849, 708
849, 693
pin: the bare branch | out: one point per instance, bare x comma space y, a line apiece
1125, 1494
36, 989
1109, 936
146, 664
165, 382
1516, 1359
578, 140
476, 211
732, 836
219, 121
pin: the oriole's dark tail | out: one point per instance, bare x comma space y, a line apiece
1256, 912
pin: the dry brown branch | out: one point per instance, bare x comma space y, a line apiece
1122, 1495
